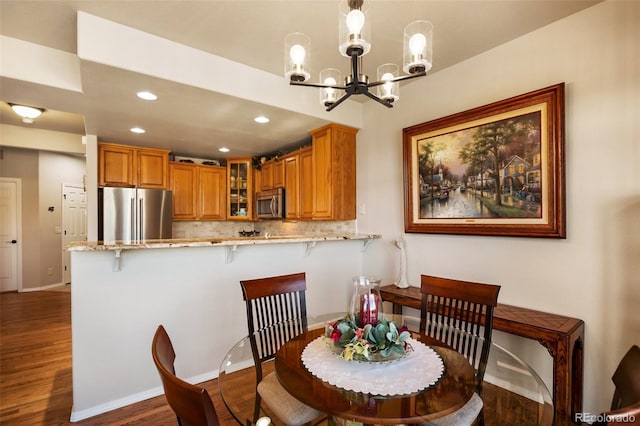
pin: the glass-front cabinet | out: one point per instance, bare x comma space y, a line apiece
240, 192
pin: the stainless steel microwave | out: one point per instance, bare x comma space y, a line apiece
270, 204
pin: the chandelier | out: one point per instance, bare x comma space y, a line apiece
354, 33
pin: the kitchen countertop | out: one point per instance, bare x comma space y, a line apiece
215, 242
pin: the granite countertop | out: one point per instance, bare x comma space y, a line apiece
214, 242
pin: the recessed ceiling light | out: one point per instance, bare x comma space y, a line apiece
147, 96
261, 119
137, 130
223, 149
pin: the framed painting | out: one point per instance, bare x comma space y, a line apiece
492, 170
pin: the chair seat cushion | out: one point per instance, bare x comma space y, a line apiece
466, 415
283, 404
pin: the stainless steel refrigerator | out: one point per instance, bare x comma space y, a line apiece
132, 214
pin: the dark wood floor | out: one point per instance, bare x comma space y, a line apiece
35, 368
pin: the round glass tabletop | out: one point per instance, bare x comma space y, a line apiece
511, 392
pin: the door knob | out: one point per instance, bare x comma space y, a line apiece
13, 241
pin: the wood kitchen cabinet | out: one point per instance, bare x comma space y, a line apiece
272, 174
298, 185
278, 173
198, 192
116, 165
266, 176
212, 194
334, 172
240, 189
130, 166
153, 168
306, 183
292, 186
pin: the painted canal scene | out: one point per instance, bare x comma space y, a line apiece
489, 171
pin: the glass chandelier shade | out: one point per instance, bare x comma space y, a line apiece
389, 91
418, 47
354, 28
296, 57
329, 95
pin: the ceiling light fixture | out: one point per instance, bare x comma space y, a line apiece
138, 130
223, 149
27, 113
261, 119
147, 96
354, 33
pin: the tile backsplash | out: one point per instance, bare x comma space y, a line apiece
226, 229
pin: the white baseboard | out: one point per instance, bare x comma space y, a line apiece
44, 287
132, 399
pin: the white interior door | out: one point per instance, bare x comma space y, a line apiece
74, 222
10, 234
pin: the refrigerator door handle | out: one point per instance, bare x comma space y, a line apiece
141, 220
133, 219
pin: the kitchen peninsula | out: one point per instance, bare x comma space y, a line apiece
122, 292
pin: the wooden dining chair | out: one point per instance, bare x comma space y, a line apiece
460, 314
191, 404
270, 301
626, 396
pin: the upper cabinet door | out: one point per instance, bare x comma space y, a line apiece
266, 176
292, 186
116, 165
306, 184
212, 192
239, 189
184, 183
334, 172
322, 176
153, 168
278, 173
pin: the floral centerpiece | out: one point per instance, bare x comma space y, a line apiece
383, 341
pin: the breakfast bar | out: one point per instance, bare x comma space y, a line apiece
122, 292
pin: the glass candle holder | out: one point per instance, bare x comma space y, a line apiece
366, 303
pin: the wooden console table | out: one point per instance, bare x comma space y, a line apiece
562, 336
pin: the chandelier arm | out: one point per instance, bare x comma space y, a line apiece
338, 102
377, 99
395, 79
322, 86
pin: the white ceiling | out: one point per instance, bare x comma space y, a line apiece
247, 32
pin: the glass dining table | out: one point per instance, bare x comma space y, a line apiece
432, 381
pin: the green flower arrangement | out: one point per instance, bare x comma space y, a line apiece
383, 341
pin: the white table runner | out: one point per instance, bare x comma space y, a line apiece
420, 369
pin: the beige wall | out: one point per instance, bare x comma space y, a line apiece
594, 273
55, 169
23, 164
42, 174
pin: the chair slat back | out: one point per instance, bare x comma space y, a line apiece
276, 311
191, 404
460, 314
